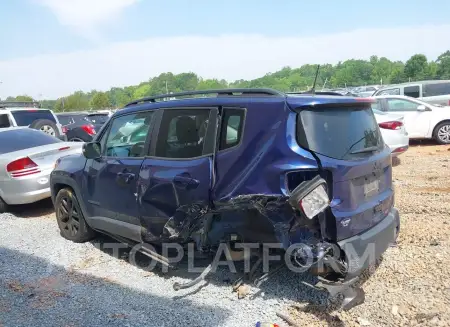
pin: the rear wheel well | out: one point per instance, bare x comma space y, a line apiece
436, 126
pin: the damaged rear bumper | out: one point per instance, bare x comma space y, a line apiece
361, 252
365, 249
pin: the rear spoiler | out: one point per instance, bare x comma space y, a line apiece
329, 102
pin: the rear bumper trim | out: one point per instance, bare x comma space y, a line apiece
365, 249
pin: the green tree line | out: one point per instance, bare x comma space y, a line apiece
353, 72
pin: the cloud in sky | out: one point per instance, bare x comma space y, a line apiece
86, 16
229, 56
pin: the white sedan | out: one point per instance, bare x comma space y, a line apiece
422, 120
393, 131
27, 157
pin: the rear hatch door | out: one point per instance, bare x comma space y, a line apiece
346, 140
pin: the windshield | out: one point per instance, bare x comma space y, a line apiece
23, 138
340, 133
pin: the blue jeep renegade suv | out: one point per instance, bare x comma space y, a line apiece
239, 166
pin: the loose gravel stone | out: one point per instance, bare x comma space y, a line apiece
46, 280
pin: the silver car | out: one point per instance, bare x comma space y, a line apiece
433, 92
27, 157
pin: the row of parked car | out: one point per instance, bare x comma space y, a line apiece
232, 166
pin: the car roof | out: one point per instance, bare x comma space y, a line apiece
23, 108
414, 83
244, 97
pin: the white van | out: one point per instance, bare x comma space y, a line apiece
434, 92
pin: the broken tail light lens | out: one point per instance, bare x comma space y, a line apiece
310, 197
315, 202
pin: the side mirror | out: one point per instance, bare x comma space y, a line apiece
92, 150
422, 107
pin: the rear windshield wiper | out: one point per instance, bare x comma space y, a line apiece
369, 149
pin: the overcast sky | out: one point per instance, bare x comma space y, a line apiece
50, 48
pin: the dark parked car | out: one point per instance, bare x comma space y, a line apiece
81, 126
239, 166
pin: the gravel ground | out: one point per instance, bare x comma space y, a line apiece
48, 281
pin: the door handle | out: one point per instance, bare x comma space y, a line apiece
126, 177
185, 181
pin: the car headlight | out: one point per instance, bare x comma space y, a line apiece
310, 197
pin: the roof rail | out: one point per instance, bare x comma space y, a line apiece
19, 104
317, 93
220, 92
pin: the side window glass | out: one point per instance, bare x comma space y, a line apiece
412, 91
401, 105
232, 126
127, 135
4, 121
395, 91
182, 133
431, 90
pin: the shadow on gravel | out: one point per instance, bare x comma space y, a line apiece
34, 292
425, 142
33, 210
396, 161
286, 284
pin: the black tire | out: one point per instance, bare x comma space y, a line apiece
41, 124
3, 206
77, 134
70, 218
437, 133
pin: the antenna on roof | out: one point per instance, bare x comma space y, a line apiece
313, 89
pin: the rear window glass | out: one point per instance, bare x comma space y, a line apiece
431, 90
23, 138
97, 119
27, 117
65, 120
340, 133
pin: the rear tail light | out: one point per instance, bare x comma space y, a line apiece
22, 167
89, 129
64, 129
391, 125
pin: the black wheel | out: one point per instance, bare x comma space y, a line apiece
442, 133
3, 206
70, 218
46, 126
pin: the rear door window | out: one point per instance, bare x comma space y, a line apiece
412, 91
431, 90
232, 126
23, 138
342, 133
4, 121
401, 105
27, 117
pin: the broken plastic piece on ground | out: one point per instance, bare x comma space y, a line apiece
179, 286
353, 296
